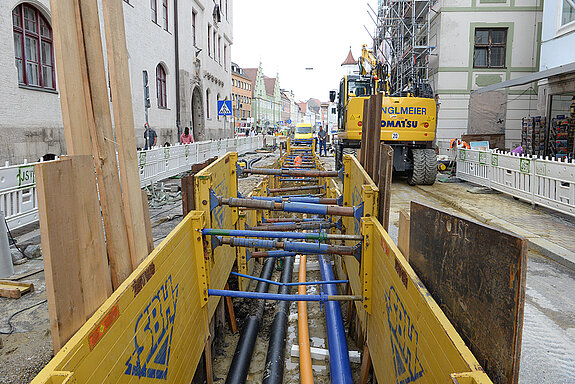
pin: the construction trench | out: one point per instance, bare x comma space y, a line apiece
320, 291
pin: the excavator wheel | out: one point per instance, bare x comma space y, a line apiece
424, 169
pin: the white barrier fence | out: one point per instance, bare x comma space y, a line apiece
543, 181
18, 187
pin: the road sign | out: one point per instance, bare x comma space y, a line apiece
288, 121
224, 107
281, 122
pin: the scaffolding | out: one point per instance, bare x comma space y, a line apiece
402, 40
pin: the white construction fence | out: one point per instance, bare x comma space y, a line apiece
543, 181
18, 198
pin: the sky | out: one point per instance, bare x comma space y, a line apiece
290, 36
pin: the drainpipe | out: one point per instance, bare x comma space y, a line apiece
177, 68
243, 355
275, 359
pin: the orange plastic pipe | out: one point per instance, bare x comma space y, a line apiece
305, 370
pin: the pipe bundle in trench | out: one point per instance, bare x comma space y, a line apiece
339, 366
243, 355
275, 359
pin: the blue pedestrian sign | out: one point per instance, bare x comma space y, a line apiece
224, 107
288, 121
281, 122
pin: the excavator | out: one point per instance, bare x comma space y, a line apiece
408, 119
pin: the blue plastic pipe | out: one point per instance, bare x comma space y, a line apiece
322, 235
339, 366
289, 284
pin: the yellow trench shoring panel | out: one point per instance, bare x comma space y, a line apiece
409, 336
357, 188
220, 176
154, 326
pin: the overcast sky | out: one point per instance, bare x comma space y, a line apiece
290, 36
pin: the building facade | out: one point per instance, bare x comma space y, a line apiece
241, 97
182, 58
266, 99
477, 43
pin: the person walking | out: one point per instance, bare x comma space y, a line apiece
150, 137
322, 136
186, 138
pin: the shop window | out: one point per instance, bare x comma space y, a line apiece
490, 47
161, 86
568, 12
33, 48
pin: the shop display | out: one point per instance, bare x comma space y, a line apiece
533, 135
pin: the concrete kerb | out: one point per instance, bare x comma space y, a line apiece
537, 243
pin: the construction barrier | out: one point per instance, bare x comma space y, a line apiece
544, 181
409, 336
154, 326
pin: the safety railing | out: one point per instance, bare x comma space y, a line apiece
18, 187
548, 182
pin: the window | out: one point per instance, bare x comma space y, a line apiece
207, 103
209, 41
33, 49
225, 57
165, 13
568, 12
194, 14
154, 7
219, 50
489, 50
161, 86
226, 9
214, 41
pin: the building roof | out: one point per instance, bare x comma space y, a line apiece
349, 60
251, 73
270, 85
302, 106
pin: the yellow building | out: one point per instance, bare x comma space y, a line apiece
241, 98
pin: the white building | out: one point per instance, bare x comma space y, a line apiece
202, 29
479, 43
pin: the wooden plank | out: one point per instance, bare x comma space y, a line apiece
90, 245
208, 354
187, 183
384, 183
368, 164
14, 290
119, 74
230, 312
403, 236
376, 138
103, 142
476, 273
69, 64
364, 130
57, 211
24, 275
365, 365
147, 221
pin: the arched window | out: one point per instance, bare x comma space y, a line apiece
33, 48
161, 86
207, 103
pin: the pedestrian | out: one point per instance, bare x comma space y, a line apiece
150, 137
322, 136
186, 138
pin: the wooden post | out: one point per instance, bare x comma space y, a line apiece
364, 131
230, 312
103, 144
119, 72
208, 354
368, 164
377, 100
403, 236
147, 222
69, 54
365, 365
384, 183
76, 268
188, 202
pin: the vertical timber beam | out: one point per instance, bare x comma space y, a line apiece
377, 100
364, 131
384, 183
124, 123
103, 144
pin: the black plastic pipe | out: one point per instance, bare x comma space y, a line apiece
275, 359
238, 372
